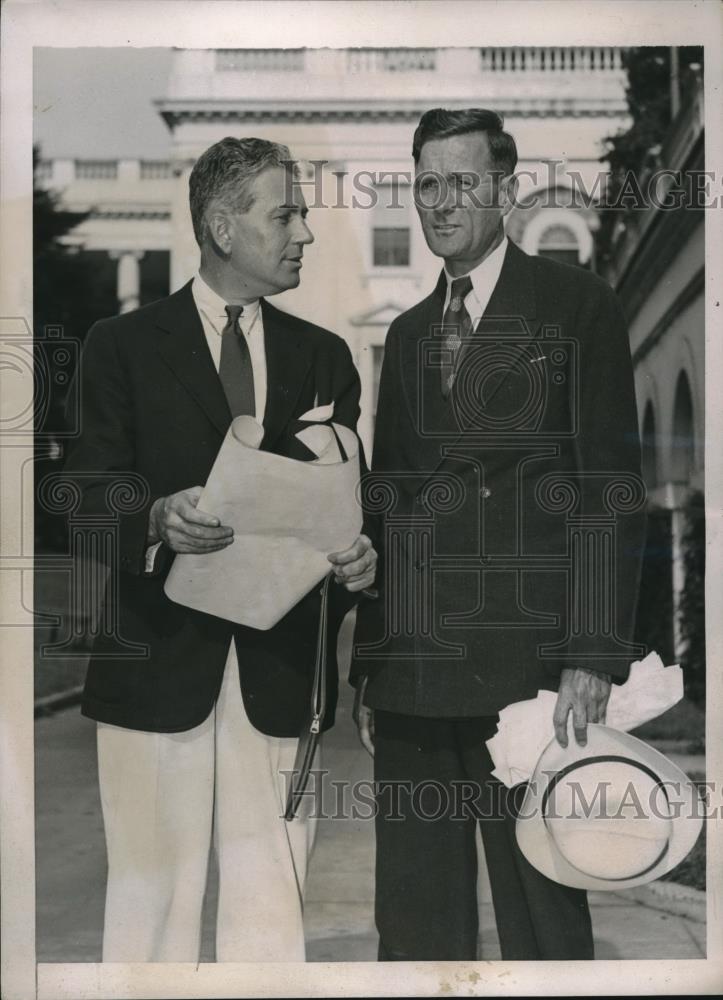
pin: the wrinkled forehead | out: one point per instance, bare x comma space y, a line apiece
468, 153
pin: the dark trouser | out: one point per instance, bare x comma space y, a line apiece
433, 786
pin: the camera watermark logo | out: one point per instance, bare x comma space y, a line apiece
37, 374
521, 548
95, 503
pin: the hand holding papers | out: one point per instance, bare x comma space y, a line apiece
287, 515
526, 728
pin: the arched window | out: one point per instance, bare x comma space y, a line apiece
560, 243
649, 453
683, 444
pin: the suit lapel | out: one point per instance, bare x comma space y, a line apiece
431, 415
511, 315
185, 350
288, 360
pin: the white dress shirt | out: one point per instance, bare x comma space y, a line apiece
484, 278
212, 310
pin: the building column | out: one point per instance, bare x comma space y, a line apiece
129, 278
676, 498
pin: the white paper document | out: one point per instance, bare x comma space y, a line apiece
287, 517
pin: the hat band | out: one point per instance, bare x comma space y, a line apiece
606, 758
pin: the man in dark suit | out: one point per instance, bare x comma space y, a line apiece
185, 751
505, 480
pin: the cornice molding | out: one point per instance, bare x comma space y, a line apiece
183, 113
691, 291
654, 250
663, 242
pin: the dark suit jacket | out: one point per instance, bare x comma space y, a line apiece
153, 405
544, 393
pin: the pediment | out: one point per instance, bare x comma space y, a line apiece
380, 316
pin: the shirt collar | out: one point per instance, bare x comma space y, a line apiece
484, 276
214, 307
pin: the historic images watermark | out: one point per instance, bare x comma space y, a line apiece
46, 372
542, 365
462, 800
555, 184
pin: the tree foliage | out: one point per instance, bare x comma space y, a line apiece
654, 617
62, 285
692, 603
648, 96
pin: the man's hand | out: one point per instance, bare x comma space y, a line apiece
355, 567
364, 717
586, 693
175, 521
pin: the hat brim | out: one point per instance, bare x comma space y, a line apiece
538, 845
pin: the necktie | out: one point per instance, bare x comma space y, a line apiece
235, 371
456, 323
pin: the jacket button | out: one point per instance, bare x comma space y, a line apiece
485, 492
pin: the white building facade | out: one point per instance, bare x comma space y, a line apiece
658, 272
351, 115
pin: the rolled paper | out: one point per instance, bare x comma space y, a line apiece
287, 516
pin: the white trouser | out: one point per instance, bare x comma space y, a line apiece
162, 796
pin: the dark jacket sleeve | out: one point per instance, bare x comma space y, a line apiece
607, 449
383, 459
346, 392
101, 460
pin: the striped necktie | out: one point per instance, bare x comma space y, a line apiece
456, 324
235, 371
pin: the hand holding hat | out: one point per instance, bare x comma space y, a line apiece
526, 727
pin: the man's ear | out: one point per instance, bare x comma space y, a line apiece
508, 193
219, 229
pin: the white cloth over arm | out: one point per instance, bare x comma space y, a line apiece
525, 728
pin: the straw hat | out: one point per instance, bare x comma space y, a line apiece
610, 815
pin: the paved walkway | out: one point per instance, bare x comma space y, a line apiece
339, 908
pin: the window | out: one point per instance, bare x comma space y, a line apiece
155, 170
649, 456
260, 60
391, 246
559, 243
96, 170
683, 450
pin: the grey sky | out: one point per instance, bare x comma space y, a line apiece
98, 103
